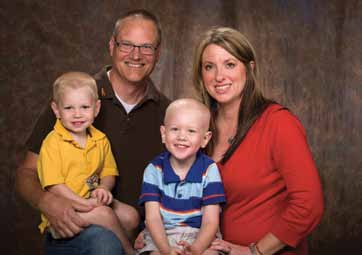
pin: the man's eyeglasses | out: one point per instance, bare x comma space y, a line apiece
127, 47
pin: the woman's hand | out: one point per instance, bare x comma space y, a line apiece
229, 248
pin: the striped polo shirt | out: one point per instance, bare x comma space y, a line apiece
181, 201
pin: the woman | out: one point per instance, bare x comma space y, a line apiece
273, 191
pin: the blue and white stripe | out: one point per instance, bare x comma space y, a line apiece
181, 201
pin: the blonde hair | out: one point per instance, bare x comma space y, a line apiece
74, 80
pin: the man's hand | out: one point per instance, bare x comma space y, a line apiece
62, 214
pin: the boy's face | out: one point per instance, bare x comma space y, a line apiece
76, 109
184, 133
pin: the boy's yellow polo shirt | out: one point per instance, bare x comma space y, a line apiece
63, 161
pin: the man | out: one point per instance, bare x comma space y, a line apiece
131, 113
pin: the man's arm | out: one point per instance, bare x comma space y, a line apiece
27, 182
60, 211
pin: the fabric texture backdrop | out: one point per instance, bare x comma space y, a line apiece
310, 57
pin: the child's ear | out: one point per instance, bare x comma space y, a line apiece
98, 107
206, 139
55, 109
163, 133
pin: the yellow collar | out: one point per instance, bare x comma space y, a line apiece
93, 133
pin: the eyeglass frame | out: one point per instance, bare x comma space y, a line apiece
140, 47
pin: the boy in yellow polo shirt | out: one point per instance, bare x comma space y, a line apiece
76, 160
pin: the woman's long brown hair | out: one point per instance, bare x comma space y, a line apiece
253, 102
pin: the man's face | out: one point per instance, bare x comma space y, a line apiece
133, 67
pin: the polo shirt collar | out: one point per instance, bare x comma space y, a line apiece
94, 134
105, 88
106, 91
194, 175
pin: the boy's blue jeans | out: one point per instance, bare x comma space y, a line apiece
94, 240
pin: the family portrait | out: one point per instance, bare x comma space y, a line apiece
182, 127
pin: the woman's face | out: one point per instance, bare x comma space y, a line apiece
223, 75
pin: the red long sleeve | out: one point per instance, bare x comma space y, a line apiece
271, 183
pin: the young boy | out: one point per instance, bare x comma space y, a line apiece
75, 159
182, 188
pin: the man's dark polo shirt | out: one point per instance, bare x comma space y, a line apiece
135, 137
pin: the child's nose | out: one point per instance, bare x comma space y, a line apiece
77, 113
181, 135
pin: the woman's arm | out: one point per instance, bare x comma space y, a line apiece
293, 160
269, 244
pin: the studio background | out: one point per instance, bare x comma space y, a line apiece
310, 56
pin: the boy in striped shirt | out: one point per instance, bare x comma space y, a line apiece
182, 189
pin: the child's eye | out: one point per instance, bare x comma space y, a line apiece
67, 107
85, 106
192, 131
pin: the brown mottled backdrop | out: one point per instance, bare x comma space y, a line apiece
311, 58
